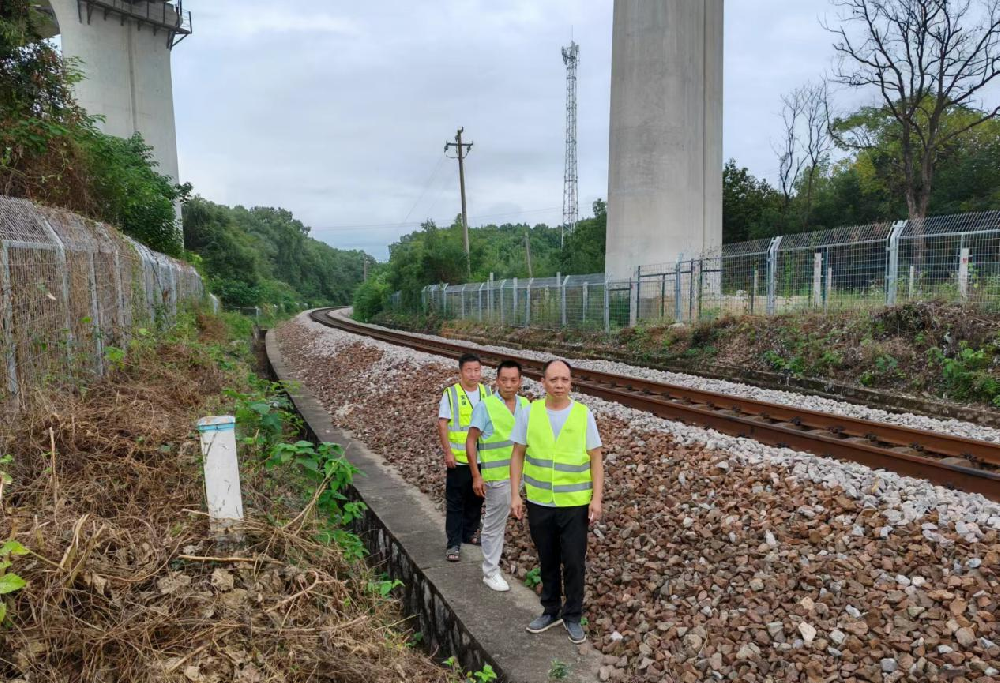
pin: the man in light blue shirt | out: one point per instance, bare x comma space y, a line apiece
489, 449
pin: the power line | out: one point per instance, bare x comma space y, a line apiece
427, 186
418, 223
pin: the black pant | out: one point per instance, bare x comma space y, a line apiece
464, 508
560, 536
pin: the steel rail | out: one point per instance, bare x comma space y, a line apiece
954, 462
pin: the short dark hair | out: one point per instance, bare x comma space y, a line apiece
468, 358
545, 368
509, 364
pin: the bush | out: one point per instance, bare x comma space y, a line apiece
370, 299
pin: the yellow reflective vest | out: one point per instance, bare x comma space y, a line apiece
557, 471
461, 416
494, 452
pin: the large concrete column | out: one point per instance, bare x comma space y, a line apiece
127, 73
665, 168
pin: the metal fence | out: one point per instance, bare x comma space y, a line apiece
954, 258
72, 287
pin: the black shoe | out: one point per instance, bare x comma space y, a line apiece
543, 623
576, 634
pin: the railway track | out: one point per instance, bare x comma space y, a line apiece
950, 461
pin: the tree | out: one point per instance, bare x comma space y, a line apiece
751, 208
923, 57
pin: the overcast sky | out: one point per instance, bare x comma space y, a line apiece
339, 111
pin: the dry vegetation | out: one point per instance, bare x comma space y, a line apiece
122, 584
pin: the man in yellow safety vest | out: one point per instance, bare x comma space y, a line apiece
558, 449
463, 507
489, 439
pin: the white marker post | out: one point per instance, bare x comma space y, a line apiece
222, 475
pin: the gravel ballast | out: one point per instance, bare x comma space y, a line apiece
719, 558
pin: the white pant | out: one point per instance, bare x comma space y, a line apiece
494, 524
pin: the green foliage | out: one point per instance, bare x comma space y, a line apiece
434, 255
52, 151
484, 675
384, 586
265, 255
115, 357
750, 207
533, 577
559, 670
967, 375
331, 474
867, 185
130, 193
370, 299
9, 581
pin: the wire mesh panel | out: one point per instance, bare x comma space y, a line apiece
70, 288
838, 269
951, 257
741, 279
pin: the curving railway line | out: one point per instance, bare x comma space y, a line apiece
950, 461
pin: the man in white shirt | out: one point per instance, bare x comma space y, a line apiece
558, 449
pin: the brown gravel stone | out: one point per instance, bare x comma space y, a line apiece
693, 562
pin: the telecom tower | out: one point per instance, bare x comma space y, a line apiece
571, 205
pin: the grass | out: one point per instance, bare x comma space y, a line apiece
105, 495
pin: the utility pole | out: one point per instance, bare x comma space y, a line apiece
463, 149
527, 249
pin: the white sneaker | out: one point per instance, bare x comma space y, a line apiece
496, 582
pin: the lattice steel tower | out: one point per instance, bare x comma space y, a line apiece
571, 205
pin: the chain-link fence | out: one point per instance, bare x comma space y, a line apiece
72, 287
954, 258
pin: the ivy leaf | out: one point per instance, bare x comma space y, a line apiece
10, 583
13, 548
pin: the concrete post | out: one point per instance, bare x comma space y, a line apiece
583, 310
817, 291
481, 285
910, 284
444, 298
502, 282
756, 288
489, 296
562, 288
6, 289
222, 474
772, 274
513, 308
64, 272
678, 310
633, 298
829, 287
607, 306
461, 296
95, 313
527, 302
963, 274
892, 263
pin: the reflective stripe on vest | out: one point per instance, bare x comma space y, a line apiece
557, 471
458, 427
494, 452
